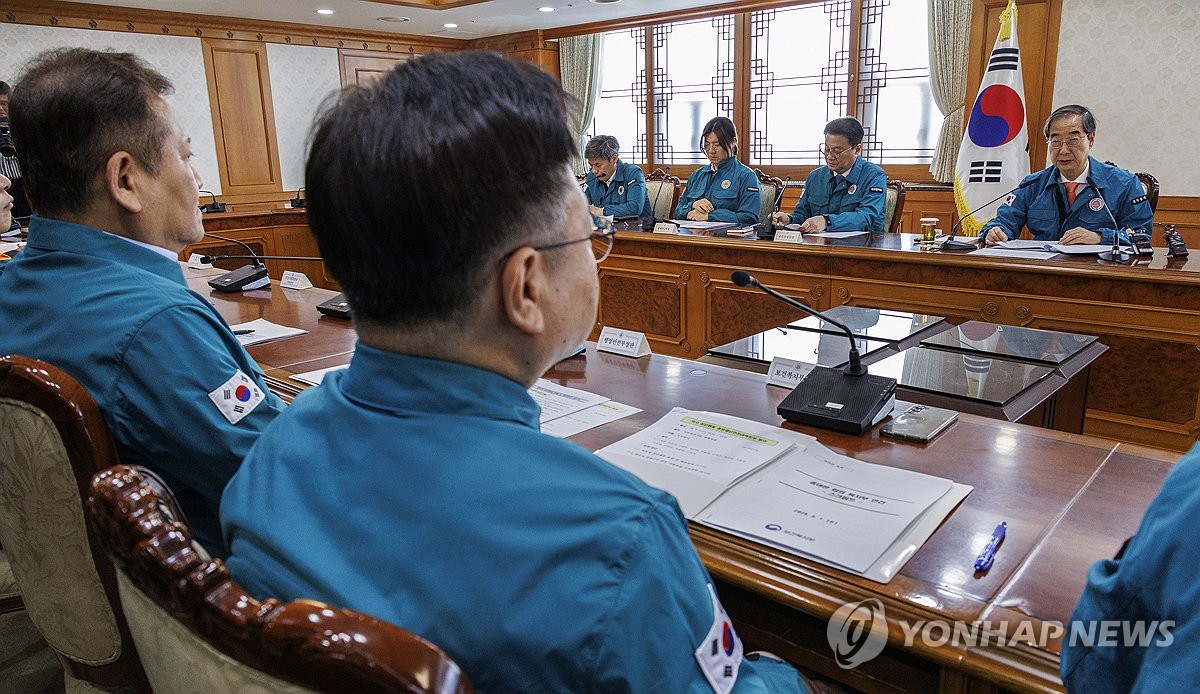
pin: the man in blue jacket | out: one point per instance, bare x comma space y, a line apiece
536, 565
98, 290
613, 188
1078, 199
848, 194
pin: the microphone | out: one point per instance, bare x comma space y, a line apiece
214, 206
848, 400
1116, 253
298, 202
244, 278
951, 245
648, 223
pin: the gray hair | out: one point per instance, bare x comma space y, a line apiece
1089, 121
602, 147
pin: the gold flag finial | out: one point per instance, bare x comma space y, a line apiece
1008, 19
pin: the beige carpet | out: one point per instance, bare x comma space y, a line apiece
27, 665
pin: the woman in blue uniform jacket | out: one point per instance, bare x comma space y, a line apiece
726, 190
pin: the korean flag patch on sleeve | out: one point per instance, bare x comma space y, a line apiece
720, 653
237, 397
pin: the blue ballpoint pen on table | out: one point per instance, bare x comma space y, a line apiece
984, 561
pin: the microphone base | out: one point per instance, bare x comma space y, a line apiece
830, 399
242, 279
952, 245
1121, 256
212, 207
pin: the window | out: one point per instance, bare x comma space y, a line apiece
798, 72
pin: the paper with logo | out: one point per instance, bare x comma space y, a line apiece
698, 455
237, 397
828, 506
557, 401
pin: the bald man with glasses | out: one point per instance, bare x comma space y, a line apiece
1076, 200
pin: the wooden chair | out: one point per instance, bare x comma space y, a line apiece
1149, 185
663, 189
52, 439
183, 608
772, 192
893, 208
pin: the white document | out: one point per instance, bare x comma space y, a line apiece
1022, 244
1071, 249
589, 418
827, 506
11, 246
996, 251
1087, 248
558, 401
264, 331
837, 234
313, 378
689, 224
698, 455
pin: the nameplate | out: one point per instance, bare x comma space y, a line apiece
295, 280
788, 236
787, 372
626, 342
666, 228
195, 264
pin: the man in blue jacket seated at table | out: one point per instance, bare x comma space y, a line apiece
98, 290
613, 188
416, 485
1078, 199
725, 189
848, 194
1149, 590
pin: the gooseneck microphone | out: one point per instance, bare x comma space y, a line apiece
855, 368
951, 245
649, 222
298, 202
244, 278
848, 400
214, 206
1116, 253
211, 258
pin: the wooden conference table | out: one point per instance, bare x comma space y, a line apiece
1145, 389
1068, 500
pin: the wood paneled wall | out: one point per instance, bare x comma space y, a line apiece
239, 93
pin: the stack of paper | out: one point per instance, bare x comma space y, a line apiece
568, 411
786, 490
262, 330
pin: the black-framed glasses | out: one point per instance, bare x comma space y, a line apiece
1071, 142
602, 237
834, 153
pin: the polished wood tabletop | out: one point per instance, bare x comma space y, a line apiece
1068, 499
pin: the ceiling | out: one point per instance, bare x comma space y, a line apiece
474, 20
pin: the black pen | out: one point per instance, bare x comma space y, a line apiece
242, 332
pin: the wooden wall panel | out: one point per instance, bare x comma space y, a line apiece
239, 88
362, 67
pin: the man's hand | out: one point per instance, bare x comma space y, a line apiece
702, 205
813, 225
697, 216
781, 218
598, 211
994, 236
1079, 235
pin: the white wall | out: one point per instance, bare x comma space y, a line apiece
301, 76
1133, 63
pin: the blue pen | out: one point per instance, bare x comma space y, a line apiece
984, 561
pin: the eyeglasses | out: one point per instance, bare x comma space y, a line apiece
602, 237
834, 153
710, 146
1071, 142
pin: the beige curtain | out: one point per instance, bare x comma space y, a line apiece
579, 65
949, 34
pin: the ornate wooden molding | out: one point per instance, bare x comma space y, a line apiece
75, 15
429, 4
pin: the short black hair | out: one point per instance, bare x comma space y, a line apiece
72, 109
848, 128
725, 131
602, 147
419, 183
1089, 121
4, 88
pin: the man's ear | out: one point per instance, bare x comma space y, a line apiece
122, 181
523, 290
